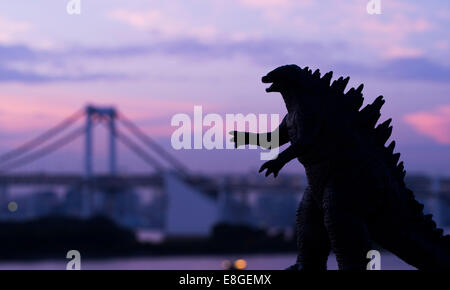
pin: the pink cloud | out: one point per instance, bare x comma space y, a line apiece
391, 38
398, 51
10, 29
434, 124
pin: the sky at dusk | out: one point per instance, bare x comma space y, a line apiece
153, 59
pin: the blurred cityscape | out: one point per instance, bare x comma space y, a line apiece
168, 201
179, 209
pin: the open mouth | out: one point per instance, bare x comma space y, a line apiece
272, 87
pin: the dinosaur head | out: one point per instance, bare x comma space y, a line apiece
283, 78
302, 87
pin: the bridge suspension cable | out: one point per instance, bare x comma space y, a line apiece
44, 151
36, 148
37, 141
153, 145
135, 148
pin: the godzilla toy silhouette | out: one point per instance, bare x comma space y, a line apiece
356, 193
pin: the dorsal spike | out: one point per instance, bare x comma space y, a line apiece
335, 84
400, 166
402, 174
420, 206
395, 158
354, 99
316, 74
369, 116
360, 88
387, 122
388, 134
401, 170
350, 92
373, 120
383, 126
345, 82
378, 103
383, 132
340, 84
327, 77
391, 147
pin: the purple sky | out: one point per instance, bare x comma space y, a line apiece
153, 59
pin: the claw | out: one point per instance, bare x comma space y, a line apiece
261, 169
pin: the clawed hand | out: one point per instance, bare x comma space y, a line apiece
273, 166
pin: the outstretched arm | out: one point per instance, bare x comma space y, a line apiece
307, 133
265, 140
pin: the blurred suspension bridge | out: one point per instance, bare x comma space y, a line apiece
148, 150
161, 165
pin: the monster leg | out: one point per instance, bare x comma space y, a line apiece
346, 228
312, 238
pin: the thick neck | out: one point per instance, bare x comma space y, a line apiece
291, 101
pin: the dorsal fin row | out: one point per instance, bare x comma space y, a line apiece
370, 114
339, 85
354, 98
367, 117
366, 120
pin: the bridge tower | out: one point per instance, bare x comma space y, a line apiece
94, 114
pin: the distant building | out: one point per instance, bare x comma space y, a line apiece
73, 203
234, 208
276, 209
126, 209
189, 211
44, 203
